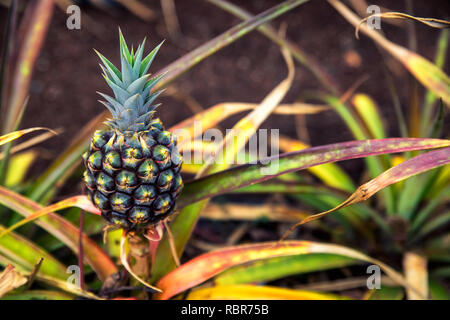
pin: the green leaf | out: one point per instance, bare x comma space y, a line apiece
114, 73
208, 265
276, 268
38, 295
374, 164
18, 167
63, 230
369, 113
147, 62
25, 253
124, 52
244, 175
430, 97
439, 221
412, 193
438, 290
423, 70
404, 170
421, 216
387, 293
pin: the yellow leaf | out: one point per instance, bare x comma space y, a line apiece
425, 71
18, 167
17, 134
252, 292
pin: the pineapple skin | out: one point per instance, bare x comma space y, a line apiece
134, 179
133, 165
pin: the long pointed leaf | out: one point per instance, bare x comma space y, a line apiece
276, 268
231, 146
244, 175
252, 292
38, 295
171, 72
206, 266
77, 201
423, 70
210, 117
329, 173
27, 254
374, 164
404, 170
17, 134
61, 229
37, 23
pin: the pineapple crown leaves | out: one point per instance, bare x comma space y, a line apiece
131, 107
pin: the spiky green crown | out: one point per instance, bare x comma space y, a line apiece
131, 107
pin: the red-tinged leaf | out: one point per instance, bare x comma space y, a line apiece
404, 170
208, 265
240, 176
331, 174
36, 21
63, 230
244, 175
81, 202
234, 141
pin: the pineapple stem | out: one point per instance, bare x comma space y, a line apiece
140, 255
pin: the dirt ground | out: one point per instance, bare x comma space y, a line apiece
67, 75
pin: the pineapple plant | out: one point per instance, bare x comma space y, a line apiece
133, 165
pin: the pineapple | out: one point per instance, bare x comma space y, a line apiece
133, 166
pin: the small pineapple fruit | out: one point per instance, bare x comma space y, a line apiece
132, 167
